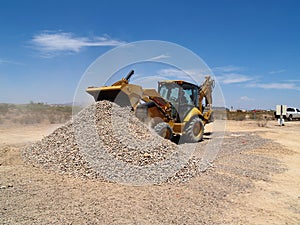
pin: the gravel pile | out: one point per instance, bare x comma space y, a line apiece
59, 152
108, 142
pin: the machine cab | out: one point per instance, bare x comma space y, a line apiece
182, 95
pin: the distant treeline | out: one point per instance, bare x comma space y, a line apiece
244, 115
34, 113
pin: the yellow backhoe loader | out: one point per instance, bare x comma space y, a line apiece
176, 108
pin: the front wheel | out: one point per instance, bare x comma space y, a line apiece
290, 118
194, 130
164, 130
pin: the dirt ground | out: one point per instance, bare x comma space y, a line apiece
280, 197
30, 195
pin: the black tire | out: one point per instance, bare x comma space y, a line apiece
290, 117
194, 130
164, 130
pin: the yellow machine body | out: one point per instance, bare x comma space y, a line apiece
159, 107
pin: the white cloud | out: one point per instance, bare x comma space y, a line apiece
277, 71
5, 61
246, 99
49, 43
231, 74
232, 78
289, 86
2, 61
227, 69
173, 74
162, 56
293, 81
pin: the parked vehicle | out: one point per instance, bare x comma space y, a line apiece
292, 113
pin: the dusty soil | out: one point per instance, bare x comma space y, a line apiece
259, 185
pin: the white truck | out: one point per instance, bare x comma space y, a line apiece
292, 113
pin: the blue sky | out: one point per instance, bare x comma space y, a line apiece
252, 47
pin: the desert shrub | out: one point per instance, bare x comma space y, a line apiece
36, 107
52, 119
4, 108
67, 117
27, 119
239, 116
250, 115
58, 118
263, 121
15, 120
8, 116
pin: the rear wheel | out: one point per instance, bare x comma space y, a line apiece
290, 118
194, 130
164, 130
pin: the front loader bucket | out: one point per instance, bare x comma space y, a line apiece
123, 95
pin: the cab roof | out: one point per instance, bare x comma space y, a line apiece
179, 82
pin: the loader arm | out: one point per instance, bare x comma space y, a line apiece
205, 91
